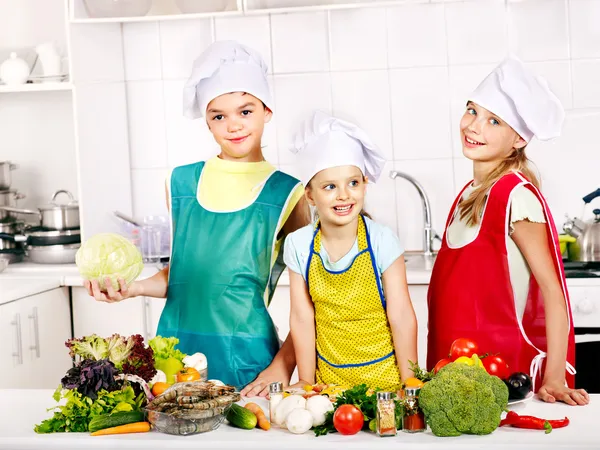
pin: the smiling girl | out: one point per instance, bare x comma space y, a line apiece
349, 295
498, 278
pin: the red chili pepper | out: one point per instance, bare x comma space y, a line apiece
533, 423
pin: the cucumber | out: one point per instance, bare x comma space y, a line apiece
114, 420
241, 417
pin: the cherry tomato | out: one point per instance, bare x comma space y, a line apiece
188, 374
495, 365
348, 419
463, 347
441, 363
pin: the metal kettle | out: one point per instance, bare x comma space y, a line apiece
587, 247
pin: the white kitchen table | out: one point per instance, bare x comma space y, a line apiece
21, 409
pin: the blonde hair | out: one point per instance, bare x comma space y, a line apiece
471, 209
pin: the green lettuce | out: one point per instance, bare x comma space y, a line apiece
109, 255
77, 412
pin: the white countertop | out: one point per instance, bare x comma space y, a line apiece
22, 409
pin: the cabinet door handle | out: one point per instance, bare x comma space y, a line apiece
36, 329
19, 353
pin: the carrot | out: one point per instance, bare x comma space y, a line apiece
136, 427
263, 422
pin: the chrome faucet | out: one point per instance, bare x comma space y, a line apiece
429, 234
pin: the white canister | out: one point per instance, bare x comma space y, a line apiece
14, 70
49, 58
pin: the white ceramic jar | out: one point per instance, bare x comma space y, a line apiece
14, 70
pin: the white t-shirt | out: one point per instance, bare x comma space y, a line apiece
524, 206
384, 242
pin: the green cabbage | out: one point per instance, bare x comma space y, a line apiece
109, 255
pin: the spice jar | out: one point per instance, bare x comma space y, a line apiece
386, 414
275, 396
413, 420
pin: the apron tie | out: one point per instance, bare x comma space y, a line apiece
536, 367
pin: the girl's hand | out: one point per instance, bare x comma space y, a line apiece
111, 296
553, 391
300, 385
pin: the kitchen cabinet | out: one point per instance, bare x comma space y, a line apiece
285, 6
105, 319
33, 331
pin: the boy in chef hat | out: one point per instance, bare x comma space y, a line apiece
498, 278
349, 296
230, 215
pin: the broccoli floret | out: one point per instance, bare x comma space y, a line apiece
463, 399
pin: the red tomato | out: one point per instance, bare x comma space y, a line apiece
441, 363
463, 347
495, 365
348, 419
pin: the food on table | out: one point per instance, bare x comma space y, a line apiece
192, 407
241, 417
348, 419
495, 365
128, 354
386, 414
197, 361
299, 421
89, 377
319, 406
159, 387
463, 347
137, 427
441, 363
286, 406
413, 382
76, 411
413, 420
115, 420
463, 399
469, 361
262, 421
187, 374
167, 358
533, 423
109, 255
519, 385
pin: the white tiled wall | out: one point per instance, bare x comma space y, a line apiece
402, 73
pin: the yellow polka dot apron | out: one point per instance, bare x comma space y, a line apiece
354, 340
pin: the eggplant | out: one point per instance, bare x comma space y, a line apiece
519, 385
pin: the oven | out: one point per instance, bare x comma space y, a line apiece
585, 304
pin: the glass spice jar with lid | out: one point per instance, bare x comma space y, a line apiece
386, 414
413, 420
275, 396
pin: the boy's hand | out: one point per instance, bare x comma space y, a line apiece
260, 386
111, 296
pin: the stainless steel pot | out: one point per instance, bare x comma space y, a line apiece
9, 199
54, 216
5, 177
52, 254
10, 229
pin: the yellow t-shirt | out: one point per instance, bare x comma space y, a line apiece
230, 186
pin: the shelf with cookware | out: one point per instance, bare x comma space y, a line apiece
107, 11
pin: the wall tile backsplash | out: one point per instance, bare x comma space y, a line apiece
402, 73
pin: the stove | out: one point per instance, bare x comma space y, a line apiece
577, 269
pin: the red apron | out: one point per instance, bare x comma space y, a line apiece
471, 295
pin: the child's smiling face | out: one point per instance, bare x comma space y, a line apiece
485, 137
237, 122
338, 193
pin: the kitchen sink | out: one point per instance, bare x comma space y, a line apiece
417, 260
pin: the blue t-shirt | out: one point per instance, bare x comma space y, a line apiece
384, 242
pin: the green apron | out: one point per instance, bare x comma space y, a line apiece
220, 268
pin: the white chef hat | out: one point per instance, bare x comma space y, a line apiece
224, 67
325, 141
523, 100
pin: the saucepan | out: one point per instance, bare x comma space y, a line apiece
54, 216
5, 177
